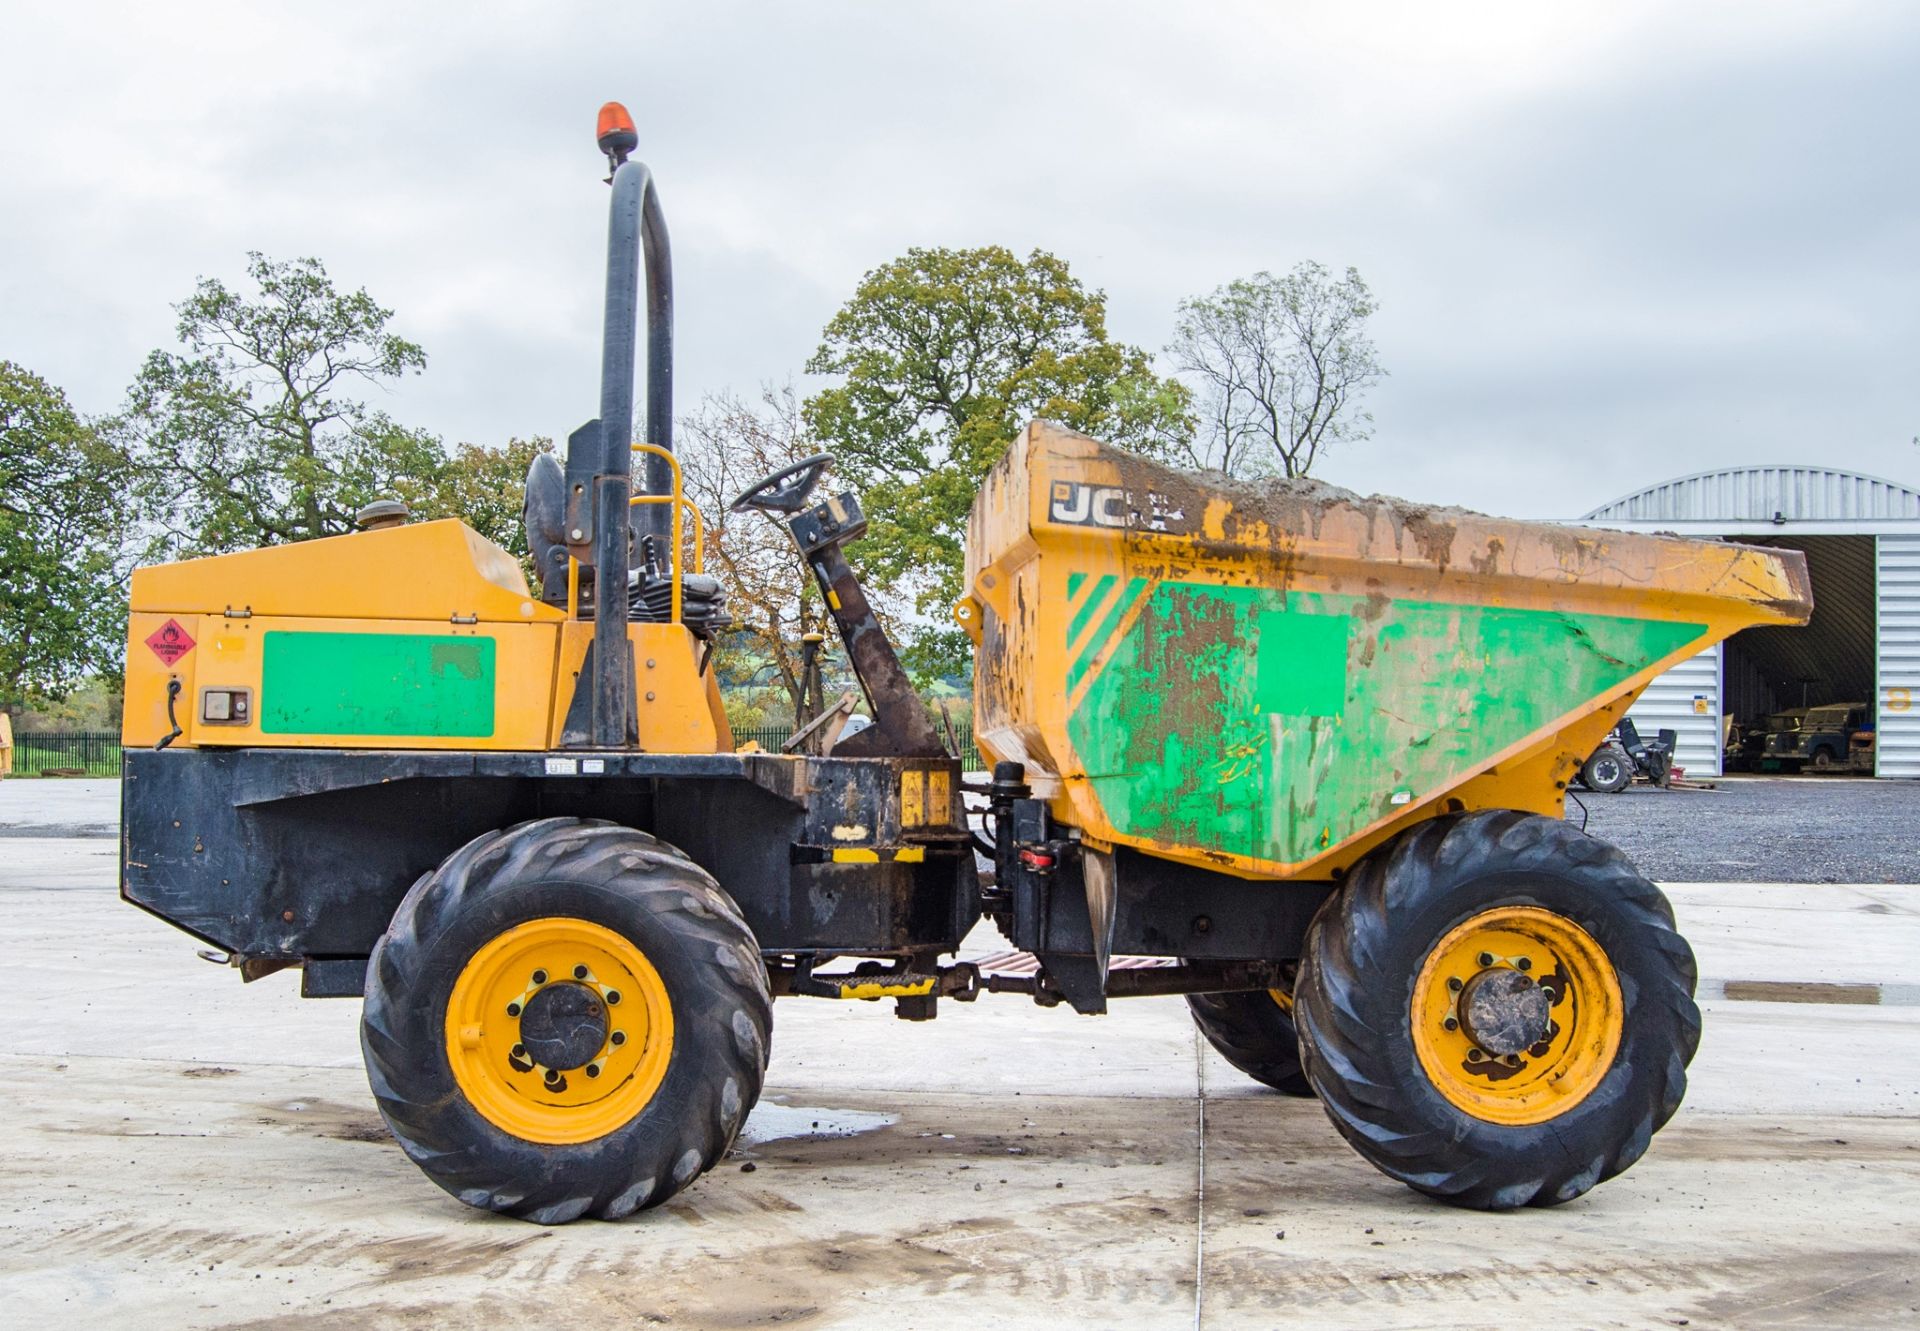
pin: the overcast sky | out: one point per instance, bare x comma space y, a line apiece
1612, 243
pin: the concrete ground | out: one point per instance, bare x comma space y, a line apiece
185, 1151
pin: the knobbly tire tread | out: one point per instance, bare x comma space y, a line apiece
1251, 1032
689, 929
1352, 1004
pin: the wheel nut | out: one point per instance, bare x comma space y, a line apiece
1451, 1024
579, 972
613, 995
513, 1009
1525, 963
539, 977
593, 1069
1474, 1055
1453, 985
1486, 958
519, 1051
618, 1037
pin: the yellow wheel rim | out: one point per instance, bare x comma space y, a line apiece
623, 1035
1528, 955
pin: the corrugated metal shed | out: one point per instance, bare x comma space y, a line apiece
1833, 655
1898, 746
1685, 701
1861, 536
1765, 496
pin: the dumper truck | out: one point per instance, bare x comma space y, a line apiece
1306, 751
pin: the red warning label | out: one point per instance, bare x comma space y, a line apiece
170, 642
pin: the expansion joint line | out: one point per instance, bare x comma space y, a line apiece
1200, 1183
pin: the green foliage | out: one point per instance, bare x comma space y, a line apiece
483, 487
943, 355
1282, 363
93, 706
249, 437
62, 517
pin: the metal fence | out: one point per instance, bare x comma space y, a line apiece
66, 753
97, 753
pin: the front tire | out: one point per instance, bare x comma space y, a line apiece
1497, 1010
566, 1018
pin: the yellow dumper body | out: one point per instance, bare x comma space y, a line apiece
1271, 679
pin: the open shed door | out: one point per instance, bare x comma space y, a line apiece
1687, 700
1897, 580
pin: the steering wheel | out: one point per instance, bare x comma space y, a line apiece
785, 491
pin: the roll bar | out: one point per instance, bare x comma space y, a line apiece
599, 463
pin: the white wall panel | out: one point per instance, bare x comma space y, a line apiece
1686, 699
1897, 746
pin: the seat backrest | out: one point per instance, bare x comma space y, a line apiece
1629, 735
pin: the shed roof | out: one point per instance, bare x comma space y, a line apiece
1771, 496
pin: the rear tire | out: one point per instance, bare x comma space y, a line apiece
1425, 1105
669, 988
1608, 772
1255, 1033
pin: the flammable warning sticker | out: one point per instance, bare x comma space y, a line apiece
170, 642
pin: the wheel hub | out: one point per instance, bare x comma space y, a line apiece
564, 1026
559, 1030
1504, 1011
1502, 1045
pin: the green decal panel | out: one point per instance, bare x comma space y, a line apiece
376, 684
1302, 663
1277, 724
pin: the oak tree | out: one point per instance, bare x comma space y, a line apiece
252, 434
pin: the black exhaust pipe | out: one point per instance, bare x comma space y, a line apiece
599, 461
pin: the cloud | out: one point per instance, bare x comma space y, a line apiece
1611, 246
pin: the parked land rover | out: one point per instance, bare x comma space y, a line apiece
1834, 738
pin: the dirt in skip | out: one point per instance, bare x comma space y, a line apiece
1275, 512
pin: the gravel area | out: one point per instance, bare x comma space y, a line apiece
1765, 830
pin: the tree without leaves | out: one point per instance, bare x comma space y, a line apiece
1281, 363
249, 438
726, 446
62, 605
943, 355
